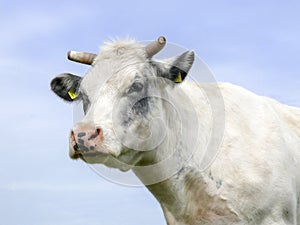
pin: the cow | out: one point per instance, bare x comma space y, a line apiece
208, 158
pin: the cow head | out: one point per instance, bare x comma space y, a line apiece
123, 96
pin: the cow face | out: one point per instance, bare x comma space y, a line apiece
123, 97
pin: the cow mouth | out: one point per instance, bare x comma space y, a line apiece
76, 153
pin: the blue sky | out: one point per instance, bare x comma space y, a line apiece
254, 44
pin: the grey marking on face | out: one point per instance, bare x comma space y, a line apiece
85, 101
141, 107
81, 134
83, 148
80, 141
137, 95
93, 136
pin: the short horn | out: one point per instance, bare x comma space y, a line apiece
155, 46
82, 57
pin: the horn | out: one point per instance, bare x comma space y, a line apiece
155, 46
81, 57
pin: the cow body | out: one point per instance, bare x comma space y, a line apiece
235, 163
255, 177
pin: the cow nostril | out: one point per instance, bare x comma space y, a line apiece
72, 136
100, 133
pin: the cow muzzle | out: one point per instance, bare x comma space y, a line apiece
85, 140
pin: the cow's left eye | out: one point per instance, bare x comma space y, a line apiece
136, 87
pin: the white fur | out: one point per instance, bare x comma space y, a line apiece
253, 179
258, 164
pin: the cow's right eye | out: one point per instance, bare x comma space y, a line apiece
136, 87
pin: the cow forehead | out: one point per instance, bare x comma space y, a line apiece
122, 50
115, 67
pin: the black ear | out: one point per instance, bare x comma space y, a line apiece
176, 68
66, 86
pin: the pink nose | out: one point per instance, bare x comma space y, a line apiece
85, 138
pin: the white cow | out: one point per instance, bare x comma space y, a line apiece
207, 160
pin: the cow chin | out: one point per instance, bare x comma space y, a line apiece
100, 156
106, 159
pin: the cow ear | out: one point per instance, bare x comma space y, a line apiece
177, 68
66, 86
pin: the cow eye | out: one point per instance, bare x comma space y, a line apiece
136, 87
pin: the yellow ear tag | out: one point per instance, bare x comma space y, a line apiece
178, 79
72, 94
